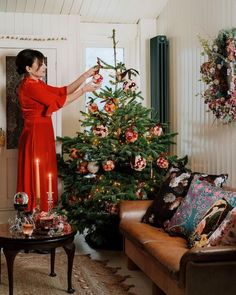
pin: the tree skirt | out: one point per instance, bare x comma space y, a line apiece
90, 277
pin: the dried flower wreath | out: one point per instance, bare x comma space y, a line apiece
219, 74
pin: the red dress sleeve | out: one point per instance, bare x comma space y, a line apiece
52, 97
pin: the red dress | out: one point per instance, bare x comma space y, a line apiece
37, 142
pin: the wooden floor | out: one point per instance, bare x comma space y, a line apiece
143, 285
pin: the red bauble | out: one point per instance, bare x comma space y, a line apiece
100, 130
131, 135
139, 163
83, 167
108, 165
93, 107
97, 78
162, 162
157, 130
110, 107
74, 153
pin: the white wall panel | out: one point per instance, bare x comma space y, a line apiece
209, 144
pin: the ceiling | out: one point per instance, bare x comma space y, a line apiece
93, 11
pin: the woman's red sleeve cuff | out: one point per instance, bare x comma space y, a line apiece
57, 104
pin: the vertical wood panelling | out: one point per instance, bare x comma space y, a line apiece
209, 144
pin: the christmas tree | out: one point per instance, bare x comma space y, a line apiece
122, 154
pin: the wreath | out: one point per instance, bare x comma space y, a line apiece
219, 74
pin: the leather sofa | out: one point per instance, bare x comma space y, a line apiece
173, 268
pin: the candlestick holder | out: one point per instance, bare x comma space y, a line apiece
37, 204
50, 201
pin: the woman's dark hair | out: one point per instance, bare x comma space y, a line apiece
26, 58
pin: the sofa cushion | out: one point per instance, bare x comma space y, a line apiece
172, 192
225, 234
141, 233
201, 196
210, 221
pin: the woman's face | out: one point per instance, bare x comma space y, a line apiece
37, 70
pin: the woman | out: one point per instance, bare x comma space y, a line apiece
37, 166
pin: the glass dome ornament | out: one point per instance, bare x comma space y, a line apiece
20, 201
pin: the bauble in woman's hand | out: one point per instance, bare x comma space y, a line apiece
97, 78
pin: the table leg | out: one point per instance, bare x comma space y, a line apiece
10, 257
52, 273
0, 265
70, 251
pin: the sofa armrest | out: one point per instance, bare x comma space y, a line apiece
206, 255
133, 210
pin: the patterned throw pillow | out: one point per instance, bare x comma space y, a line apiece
225, 234
172, 192
210, 221
174, 188
201, 196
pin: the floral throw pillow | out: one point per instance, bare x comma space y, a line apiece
173, 191
174, 188
225, 234
201, 196
210, 221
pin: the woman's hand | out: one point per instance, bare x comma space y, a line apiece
90, 87
91, 72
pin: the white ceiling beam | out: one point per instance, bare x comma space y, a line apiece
20, 5
100, 11
3, 5
30, 5
76, 7
11, 6
39, 6
85, 7
66, 6
57, 6
48, 6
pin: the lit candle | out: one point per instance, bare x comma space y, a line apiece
37, 176
50, 186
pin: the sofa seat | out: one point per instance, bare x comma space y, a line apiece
165, 249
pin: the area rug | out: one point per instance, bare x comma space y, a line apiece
90, 277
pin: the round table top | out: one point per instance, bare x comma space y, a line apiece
7, 236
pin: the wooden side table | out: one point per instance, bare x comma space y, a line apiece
11, 245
